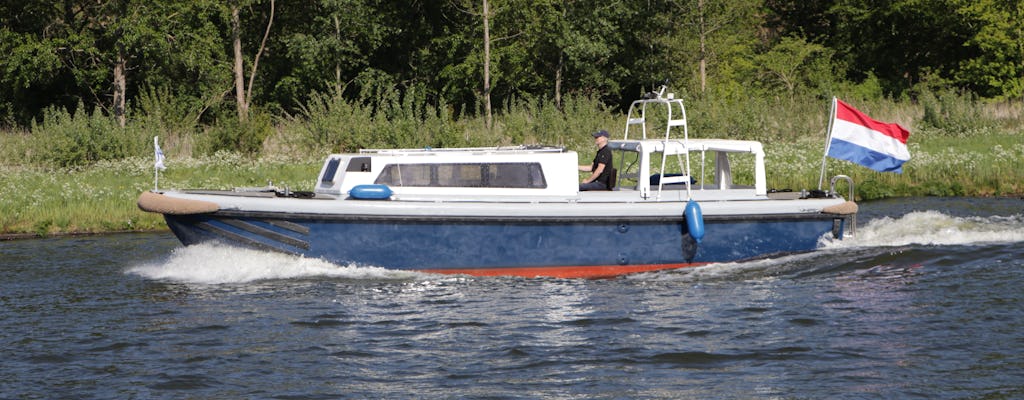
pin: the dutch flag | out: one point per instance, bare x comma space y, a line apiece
856, 137
159, 156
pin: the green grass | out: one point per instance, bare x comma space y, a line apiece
102, 198
983, 165
958, 146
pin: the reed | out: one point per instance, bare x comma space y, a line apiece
960, 146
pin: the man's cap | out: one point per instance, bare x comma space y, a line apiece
601, 133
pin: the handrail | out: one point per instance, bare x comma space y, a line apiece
849, 182
832, 191
667, 100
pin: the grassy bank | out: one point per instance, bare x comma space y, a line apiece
959, 147
102, 198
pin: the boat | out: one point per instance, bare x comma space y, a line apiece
518, 210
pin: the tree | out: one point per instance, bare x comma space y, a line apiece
243, 94
998, 68
28, 71
702, 39
471, 42
486, 16
555, 47
100, 54
900, 41
706, 18
590, 46
792, 62
325, 46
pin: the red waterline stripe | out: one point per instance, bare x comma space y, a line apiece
595, 271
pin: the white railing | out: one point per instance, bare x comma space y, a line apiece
671, 104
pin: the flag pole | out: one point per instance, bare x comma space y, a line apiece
156, 163
828, 142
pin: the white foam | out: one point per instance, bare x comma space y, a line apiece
916, 228
218, 264
764, 268
933, 228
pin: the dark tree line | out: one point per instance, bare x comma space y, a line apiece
221, 58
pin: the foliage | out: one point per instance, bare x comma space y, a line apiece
953, 113
328, 121
723, 34
794, 64
998, 69
539, 48
74, 139
234, 135
346, 74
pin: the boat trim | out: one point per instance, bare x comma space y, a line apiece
267, 233
593, 272
515, 219
206, 226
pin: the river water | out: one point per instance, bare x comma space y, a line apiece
927, 301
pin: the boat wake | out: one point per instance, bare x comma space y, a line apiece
865, 253
212, 263
934, 228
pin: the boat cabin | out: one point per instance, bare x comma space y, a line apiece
533, 171
652, 167
646, 168
550, 172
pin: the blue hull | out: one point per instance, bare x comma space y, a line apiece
481, 244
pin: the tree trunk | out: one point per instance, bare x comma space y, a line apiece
337, 64
120, 88
256, 60
236, 42
487, 66
1020, 46
558, 80
703, 47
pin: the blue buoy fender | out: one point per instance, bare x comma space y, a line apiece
370, 192
694, 220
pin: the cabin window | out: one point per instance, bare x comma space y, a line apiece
332, 168
490, 175
358, 164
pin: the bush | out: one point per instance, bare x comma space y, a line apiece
173, 118
388, 119
952, 113
233, 135
874, 190
331, 122
66, 139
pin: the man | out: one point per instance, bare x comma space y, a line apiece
601, 169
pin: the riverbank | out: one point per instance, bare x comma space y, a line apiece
101, 198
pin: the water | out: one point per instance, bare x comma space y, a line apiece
925, 303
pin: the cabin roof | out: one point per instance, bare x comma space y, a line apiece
677, 146
429, 151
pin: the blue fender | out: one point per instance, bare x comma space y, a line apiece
370, 192
694, 220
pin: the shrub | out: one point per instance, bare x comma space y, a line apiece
173, 118
952, 113
66, 139
233, 135
329, 121
874, 190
